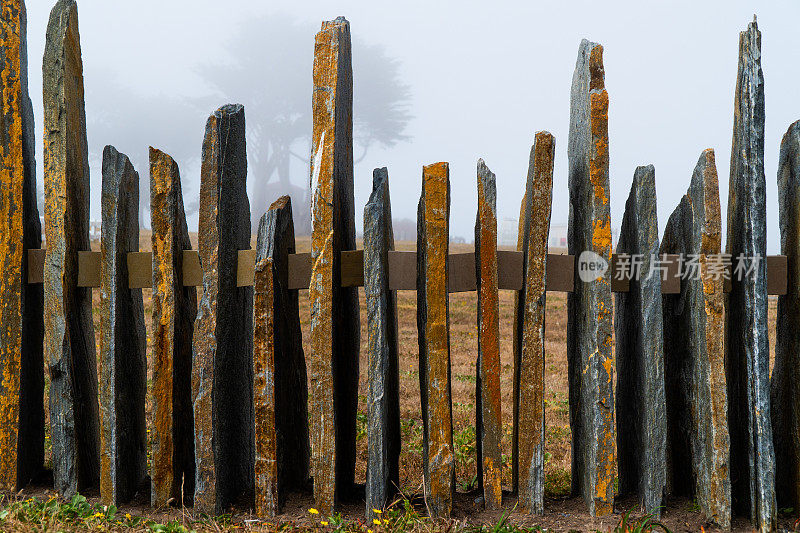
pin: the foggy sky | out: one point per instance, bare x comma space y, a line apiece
483, 81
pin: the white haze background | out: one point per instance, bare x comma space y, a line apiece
483, 78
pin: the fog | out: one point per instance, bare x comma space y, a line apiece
433, 81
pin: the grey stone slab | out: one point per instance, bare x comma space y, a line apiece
69, 341
123, 338
698, 446
280, 391
785, 391
383, 388
589, 306
641, 424
746, 321
222, 370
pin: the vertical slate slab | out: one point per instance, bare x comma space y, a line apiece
69, 342
174, 310
222, 369
589, 323
747, 342
489, 421
641, 425
123, 343
694, 358
383, 400
529, 423
785, 393
280, 393
21, 357
335, 322
433, 330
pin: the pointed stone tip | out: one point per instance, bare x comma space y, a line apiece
339, 21
379, 177
230, 109
280, 203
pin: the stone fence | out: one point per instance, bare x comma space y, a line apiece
237, 414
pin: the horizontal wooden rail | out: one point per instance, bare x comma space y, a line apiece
402, 271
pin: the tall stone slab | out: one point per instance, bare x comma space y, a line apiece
529, 423
641, 425
489, 421
746, 322
433, 331
21, 358
335, 323
280, 392
694, 359
69, 343
174, 311
785, 393
589, 323
383, 389
123, 338
222, 369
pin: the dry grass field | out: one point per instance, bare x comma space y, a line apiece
562, 512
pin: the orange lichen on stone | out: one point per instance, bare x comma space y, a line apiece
12, 177
434, 339
266, 465
488, 393
529, 361
334, 349
174, 309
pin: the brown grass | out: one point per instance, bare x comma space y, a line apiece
562, 512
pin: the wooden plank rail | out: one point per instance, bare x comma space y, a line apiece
402, 271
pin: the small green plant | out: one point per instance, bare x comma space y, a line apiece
361, 425
643, 524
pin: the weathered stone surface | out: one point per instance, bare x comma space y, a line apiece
280, 391
641, 425
21, 359
174, 310
335, 323
489, 421
222, 369
123, 342
747, 342
528, 439
433, 331
383, 400
694, 357
785, 393
589, 324
68, 330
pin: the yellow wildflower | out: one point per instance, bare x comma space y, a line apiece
323, 522
313, 511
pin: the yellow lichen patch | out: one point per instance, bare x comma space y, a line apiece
601, 236
330, 76
598, 157
12, 176
440, 459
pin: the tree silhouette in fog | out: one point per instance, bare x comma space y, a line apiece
269, 70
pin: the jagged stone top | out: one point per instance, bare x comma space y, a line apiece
380, 179
486, 180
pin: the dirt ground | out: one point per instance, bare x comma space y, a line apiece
561, 511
